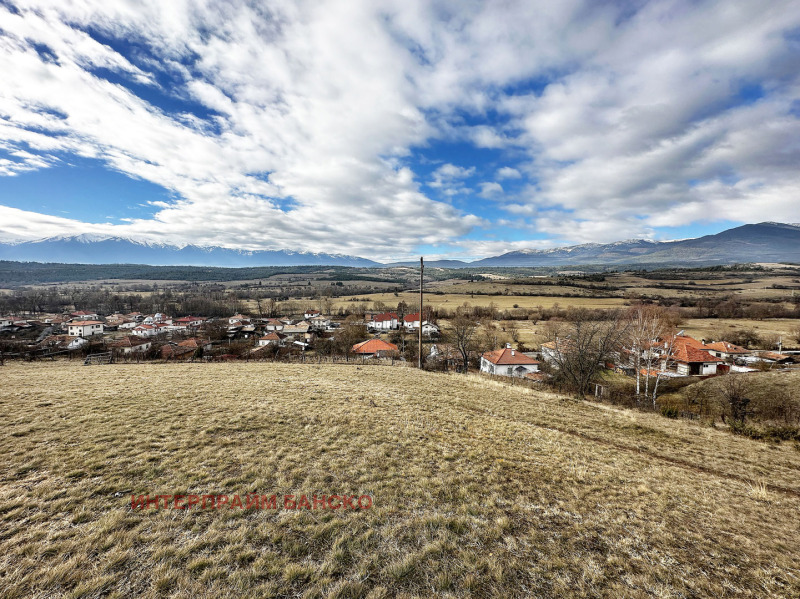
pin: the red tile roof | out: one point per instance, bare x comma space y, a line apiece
772, 355
411, 317
273, 336
384, 317
688, 353
508, 356
728, 348
372, 346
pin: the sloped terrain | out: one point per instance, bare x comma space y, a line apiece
479, 488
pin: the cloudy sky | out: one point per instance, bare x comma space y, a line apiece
394, 128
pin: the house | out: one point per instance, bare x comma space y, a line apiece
311, 314
725, 350
508, 362
771, 356
446, 354
5, 321
187, 323
374, 347
387, 321
301, 328
84, 328
131, 344
551, 351
56, 342
411, 323
173, 351
690, 360
84, 315
145, 330
272, 338
319, 323
238, 318
429, 329
196, 343
273, 324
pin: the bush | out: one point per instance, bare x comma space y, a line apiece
669, 412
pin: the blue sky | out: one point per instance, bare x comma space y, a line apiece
390, 129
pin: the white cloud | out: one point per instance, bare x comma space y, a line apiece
507, 172
490, 190
634, 121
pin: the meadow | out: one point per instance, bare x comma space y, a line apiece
479, 488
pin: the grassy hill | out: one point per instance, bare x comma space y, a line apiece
479, 488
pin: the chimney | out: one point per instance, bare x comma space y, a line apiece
512, 352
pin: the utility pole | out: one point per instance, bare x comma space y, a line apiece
419, 348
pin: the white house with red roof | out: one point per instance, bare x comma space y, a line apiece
387, 321
508, 362
689, 359
271, 338
146, 330
311, 314
84, 328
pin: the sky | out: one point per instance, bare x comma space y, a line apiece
394, 129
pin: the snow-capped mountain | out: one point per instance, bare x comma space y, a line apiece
99, 249
763, 242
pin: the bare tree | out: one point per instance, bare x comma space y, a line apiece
587, 345
462, 332
353, 331
649, 338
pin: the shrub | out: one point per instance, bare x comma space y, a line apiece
669, 412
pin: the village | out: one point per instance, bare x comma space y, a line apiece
386, 337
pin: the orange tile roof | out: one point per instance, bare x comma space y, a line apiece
273, 336
728, 348
508, 356
372, 346
686, 352
82, 323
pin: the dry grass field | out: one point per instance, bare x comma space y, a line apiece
452, 301
480, 489
710, 328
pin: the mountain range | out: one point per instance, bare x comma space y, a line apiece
762, 242
95, 249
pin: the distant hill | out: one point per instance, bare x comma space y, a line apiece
91, 249
431, 264
763, 242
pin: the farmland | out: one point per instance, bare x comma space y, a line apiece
479, 488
